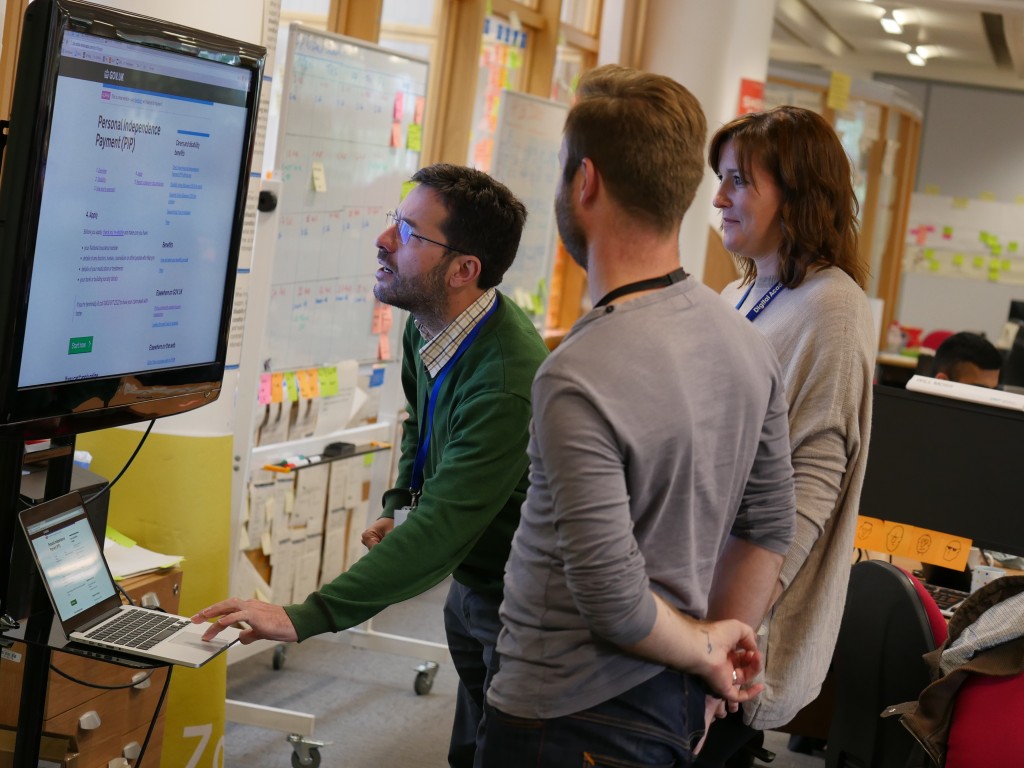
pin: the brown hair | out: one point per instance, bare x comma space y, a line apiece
645, 133
804, 156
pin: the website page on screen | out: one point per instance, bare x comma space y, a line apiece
141, 182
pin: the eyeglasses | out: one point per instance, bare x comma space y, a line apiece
405, 232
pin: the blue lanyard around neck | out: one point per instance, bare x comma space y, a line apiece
416, 481
761, 304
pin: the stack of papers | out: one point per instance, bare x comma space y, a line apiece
126, 558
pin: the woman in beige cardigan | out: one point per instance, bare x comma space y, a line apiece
789, 214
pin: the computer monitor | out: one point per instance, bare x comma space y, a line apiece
121, 207
1016, 310
946, 465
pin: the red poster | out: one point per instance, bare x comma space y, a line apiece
751, 97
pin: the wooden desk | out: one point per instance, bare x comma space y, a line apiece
124, 714
895, 370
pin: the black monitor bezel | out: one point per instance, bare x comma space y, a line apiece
78, 406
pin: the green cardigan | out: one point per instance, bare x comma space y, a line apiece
475, 479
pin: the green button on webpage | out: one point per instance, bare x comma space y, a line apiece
80, 345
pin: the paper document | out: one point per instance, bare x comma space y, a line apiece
126, 558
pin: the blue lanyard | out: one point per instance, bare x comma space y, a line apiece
761, 303
416, 481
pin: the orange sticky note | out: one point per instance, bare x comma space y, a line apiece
386, 318
418, 114
396, 135
383, 347
375, 323
870, 534
305, 382
398, 106
276, 387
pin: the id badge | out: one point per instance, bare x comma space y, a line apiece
402, 514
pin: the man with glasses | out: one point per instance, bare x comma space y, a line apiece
469, 356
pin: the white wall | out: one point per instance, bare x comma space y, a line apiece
241, 19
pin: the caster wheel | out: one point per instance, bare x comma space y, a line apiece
312, 762
280, 654
423, 683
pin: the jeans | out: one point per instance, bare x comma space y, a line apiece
655, 724
471, 624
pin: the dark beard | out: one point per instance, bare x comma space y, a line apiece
573, 237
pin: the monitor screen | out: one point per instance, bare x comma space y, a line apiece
122, 198
946, 465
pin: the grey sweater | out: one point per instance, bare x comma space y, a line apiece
659, 427
825, 339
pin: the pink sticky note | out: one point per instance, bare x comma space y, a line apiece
264, 393
398, 106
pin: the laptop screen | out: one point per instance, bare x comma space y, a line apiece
69, 558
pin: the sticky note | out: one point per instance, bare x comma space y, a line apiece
264, 393
931, 189
276, 387
291, 385
328, 377
934, 266
377, 377
307, 383
396, 135
1005, 265
960, 203
870, 534
399, 99
958, 259
375, 323
367, 459
1012, 246
987, 196
386, 318
414, 139
838, 91
319, 178
417, 117
929, 253
978, 261
947, 233
383, 347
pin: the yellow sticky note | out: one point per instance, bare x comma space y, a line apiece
987, 196
291, 386
958, 259
931, 189
319, 178
367, 459
328, 377
1005, 265
1012, 246
934, 266
838, 91
978, 261
414, 139
870, 534
960, 203
929, 253
1019, 199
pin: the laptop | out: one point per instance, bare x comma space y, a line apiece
86, 602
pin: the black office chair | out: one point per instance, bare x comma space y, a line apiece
877, 662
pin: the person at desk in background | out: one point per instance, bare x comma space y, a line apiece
790, 214
469, 357
659, 445
968, 359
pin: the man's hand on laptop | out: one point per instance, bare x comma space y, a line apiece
266, 621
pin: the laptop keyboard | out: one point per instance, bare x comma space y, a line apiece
945, 597
140, 629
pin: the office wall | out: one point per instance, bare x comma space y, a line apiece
971, 148
971, 141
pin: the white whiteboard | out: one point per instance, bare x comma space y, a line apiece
350, 134
526, 160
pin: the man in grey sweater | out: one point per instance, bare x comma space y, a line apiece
659, 455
